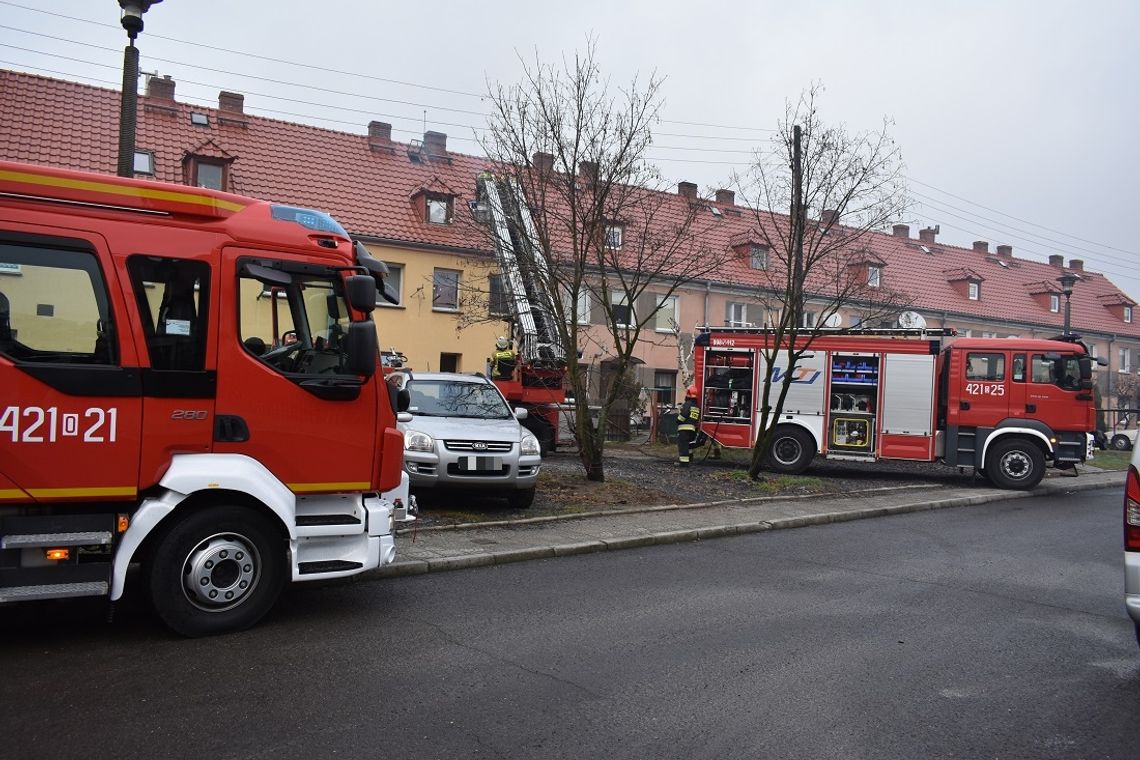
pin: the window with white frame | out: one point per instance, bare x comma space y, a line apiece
614, 235
758, 257
974, 290
498, 302
1054, 303
445, 289
666, 319
577, 310
438, 209
1127, 313
1125, 363
395, 280
736, 314
622, 309
874, 276
144, 162
809, 319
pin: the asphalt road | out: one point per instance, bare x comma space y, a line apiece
995, 631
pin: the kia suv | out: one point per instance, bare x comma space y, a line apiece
461, 433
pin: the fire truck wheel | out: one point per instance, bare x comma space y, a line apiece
521, 498
792, 450
216, 569
1121, 443
1015, 463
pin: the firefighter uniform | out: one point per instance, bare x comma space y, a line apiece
688, 420
502, 361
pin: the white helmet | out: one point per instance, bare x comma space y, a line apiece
501, 343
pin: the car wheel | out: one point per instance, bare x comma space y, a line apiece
521, 498
1015, 463
215, 570
792, 450
1121, 442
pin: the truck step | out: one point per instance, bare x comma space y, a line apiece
32, 532
309, 520
327, 566
18, 584
53, 591
37, 540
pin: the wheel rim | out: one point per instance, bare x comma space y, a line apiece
787, 450
1120, 443
1016, 465
220, 572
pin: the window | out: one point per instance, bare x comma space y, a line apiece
57, 310
874, 276
809, 319
1019, 368
758, 257
856, 321
987, 367
450, 363
395, 280
578, 310
1054, 303
666, 319
173, 301
438, 209
614, 235
144, 162
989, 334
1127, 313
1125, 365
1063, 372
498, 301
665, 384
209, 174
445, 289
623, 311
736, 314
974, 290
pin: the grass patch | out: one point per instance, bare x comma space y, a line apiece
775, 484
1111, 460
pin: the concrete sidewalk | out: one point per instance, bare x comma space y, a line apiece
429, 550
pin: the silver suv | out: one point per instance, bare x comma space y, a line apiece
461, 433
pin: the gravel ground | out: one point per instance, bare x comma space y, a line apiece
645, 476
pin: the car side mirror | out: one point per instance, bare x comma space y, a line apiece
521, 414
404, 417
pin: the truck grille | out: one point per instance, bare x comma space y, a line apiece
479, 447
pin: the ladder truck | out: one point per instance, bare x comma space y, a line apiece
535, 382
1007, 408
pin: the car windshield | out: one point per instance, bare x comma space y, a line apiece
450, 398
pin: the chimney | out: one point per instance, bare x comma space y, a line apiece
687, 189
588, 170
231, 102
1077, 265
926, 234
379, 134
828, 217
902, 230
726, 197
1057, 260
435, 143
981, 246
160, 88
543, 163
1005, 251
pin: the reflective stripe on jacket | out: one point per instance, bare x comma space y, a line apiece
689, 416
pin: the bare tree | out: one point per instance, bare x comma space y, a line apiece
817, 196
614, 245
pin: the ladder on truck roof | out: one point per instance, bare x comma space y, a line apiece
525, 271
855, 332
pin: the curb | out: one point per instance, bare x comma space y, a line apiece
420, 567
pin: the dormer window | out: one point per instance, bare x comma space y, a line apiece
1127, 313
1054, 303
614, 235
874, 276
974, 290
438, 209
758, 257
203, 171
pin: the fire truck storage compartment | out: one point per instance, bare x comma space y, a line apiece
854, 400
728, 385
907, 418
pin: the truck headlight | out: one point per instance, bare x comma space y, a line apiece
529, 446
414, 440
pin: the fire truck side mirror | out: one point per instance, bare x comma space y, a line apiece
360, 290
1086, 369
362, 348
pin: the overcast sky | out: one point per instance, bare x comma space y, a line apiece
1017, 120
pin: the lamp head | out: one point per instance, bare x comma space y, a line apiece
1067, 281
133, 11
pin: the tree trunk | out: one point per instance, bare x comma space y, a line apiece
591, 444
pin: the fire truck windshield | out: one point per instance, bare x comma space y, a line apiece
318, 221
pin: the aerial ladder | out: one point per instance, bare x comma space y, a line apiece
536, 381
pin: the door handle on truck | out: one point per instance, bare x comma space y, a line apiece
964, 405
1031, 408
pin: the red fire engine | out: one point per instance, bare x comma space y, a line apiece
1003, 407
190, 383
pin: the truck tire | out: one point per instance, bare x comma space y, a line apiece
1015, 464
543, 431
792, 450
521, 498
1121, 442
217, 569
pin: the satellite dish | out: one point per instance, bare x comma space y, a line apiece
833, 321
911, 320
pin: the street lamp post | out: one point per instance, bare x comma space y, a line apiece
132, 20
1067, 280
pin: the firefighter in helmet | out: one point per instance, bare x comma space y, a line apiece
688, 420
503, 360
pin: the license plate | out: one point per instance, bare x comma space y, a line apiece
480, 464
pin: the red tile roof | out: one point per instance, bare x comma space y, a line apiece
370, 191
